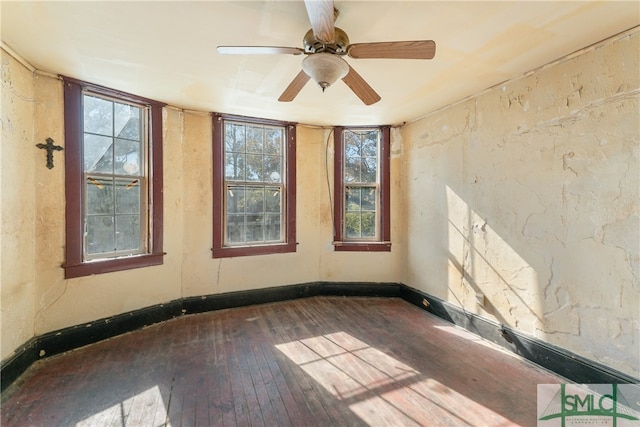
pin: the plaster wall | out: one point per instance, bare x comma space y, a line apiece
528, 195
18, 158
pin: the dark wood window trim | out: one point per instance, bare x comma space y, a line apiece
74, 265
384, 242
221, 251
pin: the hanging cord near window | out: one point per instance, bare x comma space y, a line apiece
326, 169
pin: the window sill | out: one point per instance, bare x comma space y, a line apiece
111, 265
237, 251
362, 246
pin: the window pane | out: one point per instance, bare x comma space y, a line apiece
128, 197
352, 169
234, 168
127, 157
98, 115
352, 224
98, 153
353, 199
368, 224
255, 200
272, 228
235, 229
273, 199
369, 169
273, 141
254, 167
127, 121
100, 234
234, 138
368, 198
370, 144
255, 136
255, 228
235, 200
127, 232
272, 169
100, 196
351, 144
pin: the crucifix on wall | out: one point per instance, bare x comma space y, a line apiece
50, 149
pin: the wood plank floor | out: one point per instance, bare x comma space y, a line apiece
322, 361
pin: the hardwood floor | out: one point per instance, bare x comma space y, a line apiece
310, 362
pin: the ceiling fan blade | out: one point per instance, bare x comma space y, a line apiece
294, 87
321, 16
258, 50
361, 88
419, 49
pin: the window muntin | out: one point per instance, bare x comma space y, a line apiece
362, 189
254, 199
115, 182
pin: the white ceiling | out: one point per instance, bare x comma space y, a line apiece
165, 50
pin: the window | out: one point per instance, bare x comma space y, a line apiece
254, 203
113, 169
361, 185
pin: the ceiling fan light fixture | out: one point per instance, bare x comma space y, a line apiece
325, 68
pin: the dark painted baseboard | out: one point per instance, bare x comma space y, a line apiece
66, 339
282, 293
558, 360
562, 362
19, 362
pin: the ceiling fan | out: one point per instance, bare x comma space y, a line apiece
325, 44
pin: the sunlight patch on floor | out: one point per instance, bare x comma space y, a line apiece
379, 388
344, 365
144, 408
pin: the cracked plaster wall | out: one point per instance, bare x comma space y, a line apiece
17, 216
528, 194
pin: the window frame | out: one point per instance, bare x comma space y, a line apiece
75, 264
383, 220
220, 250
